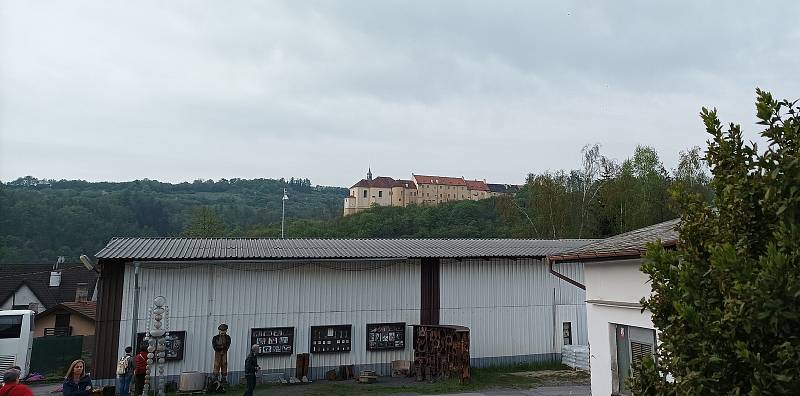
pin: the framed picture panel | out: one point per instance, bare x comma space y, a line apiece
382, 336
273, 340
331, 339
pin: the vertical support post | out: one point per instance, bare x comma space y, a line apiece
429, 288
109, 311
555, 323
135, 316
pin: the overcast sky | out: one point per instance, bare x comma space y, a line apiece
176, 91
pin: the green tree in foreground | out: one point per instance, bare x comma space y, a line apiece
727, 302
205, 223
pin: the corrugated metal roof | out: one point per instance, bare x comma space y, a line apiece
261, 248
631, 243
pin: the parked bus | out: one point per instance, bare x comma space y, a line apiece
16, 340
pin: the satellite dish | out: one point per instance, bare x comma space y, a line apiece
88, 263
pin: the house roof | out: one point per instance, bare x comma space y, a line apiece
629, 244
440, 180
37, 278
164, 249
503, 188
87, 309
477, 185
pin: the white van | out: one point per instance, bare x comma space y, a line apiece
16, 340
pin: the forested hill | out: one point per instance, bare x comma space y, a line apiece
43, 219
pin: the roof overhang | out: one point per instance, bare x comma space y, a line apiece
588, 257
58, 307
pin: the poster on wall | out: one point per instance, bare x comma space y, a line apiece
382, 336
175, 343
273, 340
334, 338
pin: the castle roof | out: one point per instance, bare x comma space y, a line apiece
406, 184
477, 185
503, 188
440, 180
384, 182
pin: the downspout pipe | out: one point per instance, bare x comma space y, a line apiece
562, 276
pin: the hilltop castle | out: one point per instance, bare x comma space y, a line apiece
419, 190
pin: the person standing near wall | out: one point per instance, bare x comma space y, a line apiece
125, 368
77, 382
12, 386
140, 364
250, 369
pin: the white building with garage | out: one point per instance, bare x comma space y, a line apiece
346, 302
620, 333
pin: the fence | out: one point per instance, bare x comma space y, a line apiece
53, 355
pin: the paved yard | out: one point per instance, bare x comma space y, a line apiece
484, 382
44, 389
565, 390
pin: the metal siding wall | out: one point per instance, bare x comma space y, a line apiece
509, 305
572, 304
200, 297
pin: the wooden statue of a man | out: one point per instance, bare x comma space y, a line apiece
221, 343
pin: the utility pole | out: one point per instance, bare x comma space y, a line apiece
283, 211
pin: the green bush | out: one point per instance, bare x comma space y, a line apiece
727, 302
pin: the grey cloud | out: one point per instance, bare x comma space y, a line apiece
324, 89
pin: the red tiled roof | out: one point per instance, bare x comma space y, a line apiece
478, 185
87, 308
84, 308
361, 183
406, 184
442, 180
385, 182
382, 182
378, 182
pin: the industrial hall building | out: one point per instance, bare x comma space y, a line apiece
419, 190
343, 301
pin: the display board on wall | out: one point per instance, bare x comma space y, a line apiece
381, 336
175, 343
334, 338
273, 340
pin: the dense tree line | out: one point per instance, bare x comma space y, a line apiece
42, 219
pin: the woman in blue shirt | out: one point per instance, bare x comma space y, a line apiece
76, 382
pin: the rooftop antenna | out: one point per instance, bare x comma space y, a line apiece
283, 210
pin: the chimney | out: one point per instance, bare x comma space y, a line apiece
55, 278
55, 274
82, 292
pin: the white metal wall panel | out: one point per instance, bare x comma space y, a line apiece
512, 307
246, 296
